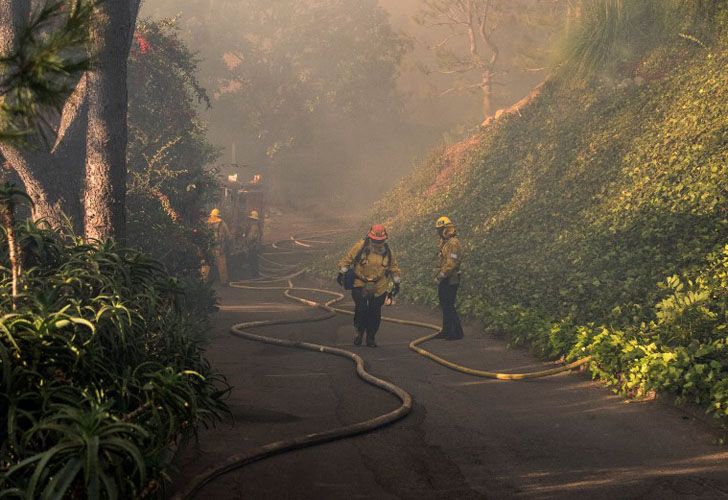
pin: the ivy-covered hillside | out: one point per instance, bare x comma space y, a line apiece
595, 221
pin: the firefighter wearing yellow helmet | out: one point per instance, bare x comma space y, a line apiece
253, 238
448, 278
220, 240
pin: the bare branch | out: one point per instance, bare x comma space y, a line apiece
443, 23
456, 71
460, 89
487, 36
445, 40
474, 54
73, 110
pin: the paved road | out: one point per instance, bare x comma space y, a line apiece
559, 437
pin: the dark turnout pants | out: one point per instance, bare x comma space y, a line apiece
367, 311
447, 293
253, 253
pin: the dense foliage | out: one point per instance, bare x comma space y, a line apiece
101, 367
595, 223
170, 181
100, 370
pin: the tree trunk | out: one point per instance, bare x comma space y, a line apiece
91, 130
13, 15
7, 218
487, 88
54, 188
104, 198
52, 181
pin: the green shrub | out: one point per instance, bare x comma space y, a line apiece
683, 351
170, 179
101, 370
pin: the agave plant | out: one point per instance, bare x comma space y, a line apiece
93, 452
101, 370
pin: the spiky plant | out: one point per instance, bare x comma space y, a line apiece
42, 66
606, 33
101, 336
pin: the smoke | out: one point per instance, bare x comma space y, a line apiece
309, 105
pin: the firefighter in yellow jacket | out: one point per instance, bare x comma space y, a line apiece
376, 280
448, 278
220, 240
253, 238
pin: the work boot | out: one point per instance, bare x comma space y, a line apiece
370, 341
357, 337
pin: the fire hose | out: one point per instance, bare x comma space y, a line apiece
239, 330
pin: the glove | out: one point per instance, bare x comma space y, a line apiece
340, 279
395, 290
439, 278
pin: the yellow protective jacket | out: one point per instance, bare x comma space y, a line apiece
253, 235
220, 234
451, 255
372, 269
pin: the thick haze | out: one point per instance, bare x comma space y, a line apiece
327, 131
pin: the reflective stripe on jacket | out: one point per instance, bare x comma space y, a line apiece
371, 268
451, 255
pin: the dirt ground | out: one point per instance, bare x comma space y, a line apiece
558, 437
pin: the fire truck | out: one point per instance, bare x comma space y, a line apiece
237, 200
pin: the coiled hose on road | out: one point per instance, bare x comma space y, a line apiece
291, 271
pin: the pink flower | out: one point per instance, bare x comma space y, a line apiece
144, 45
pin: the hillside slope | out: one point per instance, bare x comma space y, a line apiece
575, 213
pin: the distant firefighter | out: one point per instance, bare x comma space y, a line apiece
220, 240
253, 239
448, 278
370, 271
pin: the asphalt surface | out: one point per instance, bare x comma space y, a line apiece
558, 437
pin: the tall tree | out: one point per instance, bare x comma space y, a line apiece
112, 30
52, 162
38, 159
471, 48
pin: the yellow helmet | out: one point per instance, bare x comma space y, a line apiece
215, 212
254, 215
443, 222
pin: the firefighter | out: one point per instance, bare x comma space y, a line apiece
448, 278
220, 241
253, 238
376, 281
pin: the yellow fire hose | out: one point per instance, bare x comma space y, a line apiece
239, 460
265, 451
421, 340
